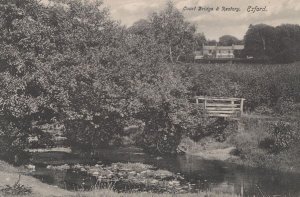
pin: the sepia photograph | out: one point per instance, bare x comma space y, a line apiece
150, 98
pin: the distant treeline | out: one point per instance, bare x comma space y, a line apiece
279, 44
265, 43
178, 38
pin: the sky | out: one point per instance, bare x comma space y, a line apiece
235, 21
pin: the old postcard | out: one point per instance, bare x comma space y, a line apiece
150, 98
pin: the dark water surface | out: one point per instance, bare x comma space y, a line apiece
201, 175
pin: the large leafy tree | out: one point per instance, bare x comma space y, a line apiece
173, 31
260, 41
288, 43
170, 30
228, 40
58, 62
200, 40
68, 63
165, 109
29, 96
279, 44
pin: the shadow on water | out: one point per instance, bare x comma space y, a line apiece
203, 175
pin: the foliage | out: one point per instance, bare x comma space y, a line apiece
200, 40
169, 30
288, 41
211, 42
284, 105
166, 111
259, 41
279, 44
268, 143
16, 189
283, 136
25, 79
95, 133
272, 87
67, 62
213, 127
12, 141
228, 40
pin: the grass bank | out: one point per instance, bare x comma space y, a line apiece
10, 175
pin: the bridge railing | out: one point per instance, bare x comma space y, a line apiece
221, 106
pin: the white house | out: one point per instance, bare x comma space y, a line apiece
218, 52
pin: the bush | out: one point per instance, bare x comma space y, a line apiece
12, 142
284, 105
16, 189
218, 128
44, 139
283, 135
160, 136
98, 131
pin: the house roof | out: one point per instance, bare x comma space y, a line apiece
209, 47
238, 47
234, 47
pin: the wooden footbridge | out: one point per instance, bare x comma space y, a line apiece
221, 106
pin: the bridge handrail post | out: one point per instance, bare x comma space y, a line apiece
242, 106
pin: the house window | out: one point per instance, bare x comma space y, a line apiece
209, 51
229, 51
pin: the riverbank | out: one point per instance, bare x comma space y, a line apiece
255, 144
11, 175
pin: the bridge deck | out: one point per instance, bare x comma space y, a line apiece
221, 106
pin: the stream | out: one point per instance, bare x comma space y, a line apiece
195, 174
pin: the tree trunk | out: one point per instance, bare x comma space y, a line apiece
178, 57
264, 43
171, 54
